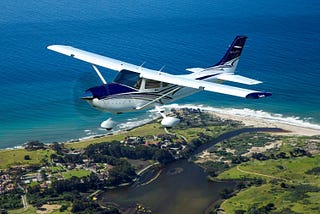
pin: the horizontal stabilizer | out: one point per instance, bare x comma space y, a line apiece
195, 70
257, 95
238, 79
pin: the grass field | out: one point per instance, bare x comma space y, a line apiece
148, 129
270, 193
192, 133
17, 157
75, 172
292, 170
33, 210
301, 193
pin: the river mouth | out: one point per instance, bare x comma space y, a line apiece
181, 187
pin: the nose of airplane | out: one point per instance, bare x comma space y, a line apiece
87, 95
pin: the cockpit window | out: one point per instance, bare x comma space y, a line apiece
152, 84
128, 78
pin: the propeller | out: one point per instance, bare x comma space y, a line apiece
84, 81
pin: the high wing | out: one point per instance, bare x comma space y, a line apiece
181, 80
93, 58
203, 85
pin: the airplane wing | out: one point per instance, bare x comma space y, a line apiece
238, 79
204, 85
118, 65
93, 58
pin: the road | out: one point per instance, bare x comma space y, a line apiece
255, 173
24, 201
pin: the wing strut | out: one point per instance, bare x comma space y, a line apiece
159, 98
99, 74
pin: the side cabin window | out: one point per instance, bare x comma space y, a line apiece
152, 84
129, 78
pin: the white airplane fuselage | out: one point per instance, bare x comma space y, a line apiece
133, 101
142, 93
136, 88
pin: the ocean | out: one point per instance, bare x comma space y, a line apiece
40, 89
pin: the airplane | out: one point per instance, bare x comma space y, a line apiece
137, 88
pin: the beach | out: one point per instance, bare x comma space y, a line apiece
251, 118
257, 122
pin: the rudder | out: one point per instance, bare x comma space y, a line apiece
233, 52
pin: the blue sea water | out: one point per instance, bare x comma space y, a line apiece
40, 88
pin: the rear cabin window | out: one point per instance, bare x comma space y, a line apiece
152, 84
129, 78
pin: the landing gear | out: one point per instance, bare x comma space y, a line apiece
108, 124
167, 122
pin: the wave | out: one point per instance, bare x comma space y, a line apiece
129, 124
153, 114
255, 114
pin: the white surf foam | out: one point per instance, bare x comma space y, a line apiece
257, 114
152, 114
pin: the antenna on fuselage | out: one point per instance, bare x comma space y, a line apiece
162, 68
140, 67
99, 74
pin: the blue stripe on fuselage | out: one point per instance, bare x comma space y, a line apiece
105, 90
207, 76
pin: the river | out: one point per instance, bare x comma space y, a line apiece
182, 187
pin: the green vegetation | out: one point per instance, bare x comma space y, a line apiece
17, 157
148, 129
281, 179
292, 182
76, 173
242, 143
11, 200
296, 198
30, 210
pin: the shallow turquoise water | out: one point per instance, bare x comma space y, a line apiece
40, 88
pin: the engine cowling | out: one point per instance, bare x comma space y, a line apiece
169, 122
108, 124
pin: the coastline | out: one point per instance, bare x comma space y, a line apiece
260, 119
250, 118
257, 122
248, 123
291, 126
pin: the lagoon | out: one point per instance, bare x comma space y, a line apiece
187, 191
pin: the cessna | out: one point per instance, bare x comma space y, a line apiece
137, 88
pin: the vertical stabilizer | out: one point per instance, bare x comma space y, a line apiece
233, 53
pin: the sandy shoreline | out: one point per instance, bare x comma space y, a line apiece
260, 122
250, 119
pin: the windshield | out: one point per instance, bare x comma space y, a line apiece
129, 78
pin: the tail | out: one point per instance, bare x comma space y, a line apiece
232, 55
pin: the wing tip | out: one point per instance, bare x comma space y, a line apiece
258, 95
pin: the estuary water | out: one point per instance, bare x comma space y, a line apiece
188, 191
40, 89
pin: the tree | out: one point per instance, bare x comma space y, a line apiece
226, 193
34, 145
63, 208
163, 156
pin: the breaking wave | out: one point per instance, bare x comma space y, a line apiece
152, 114
255, 114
